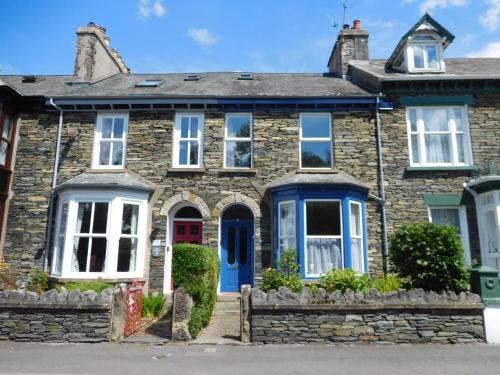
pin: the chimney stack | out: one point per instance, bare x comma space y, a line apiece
352, 44
95, 60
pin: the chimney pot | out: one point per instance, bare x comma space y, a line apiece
346, 27
357, 24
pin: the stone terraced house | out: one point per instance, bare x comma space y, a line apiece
112, 168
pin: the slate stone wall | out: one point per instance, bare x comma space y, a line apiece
55, 317
396, 317
276, 153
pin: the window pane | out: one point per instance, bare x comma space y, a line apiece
193, 153
316, 154
130, 218
118, 128
287, 219
238, 154
412, 116
438, 148
460, 148
323, 218
435, 120
80, 250
414, 149
104, 153
457, 115
7, 127
238, 126
107, 127
355, 219
432, 62
83, 217
61, 238
323, 255
183, 153
193, 132
243, 246
195, 229
100, 218
492, 233
418, 57
287, 243
184, 127
127, 255
357, 254
231, 246
315, 127
3, 152
118, 153
446, 216
98, 255
181, 229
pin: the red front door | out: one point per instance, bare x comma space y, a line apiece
187, 232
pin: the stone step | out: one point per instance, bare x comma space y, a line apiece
228, 297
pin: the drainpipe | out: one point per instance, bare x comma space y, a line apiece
54, 184
385, 250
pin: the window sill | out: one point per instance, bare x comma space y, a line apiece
239, 170
317, 170
186, 170
471, 168
104, 279
106, 170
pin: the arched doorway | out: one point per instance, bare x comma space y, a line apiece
187, 226
237, 248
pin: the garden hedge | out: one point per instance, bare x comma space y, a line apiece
196, 268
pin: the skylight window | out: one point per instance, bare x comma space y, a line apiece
192, 77
245, 77
149, 83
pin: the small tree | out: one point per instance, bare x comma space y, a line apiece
430, 255
286, 274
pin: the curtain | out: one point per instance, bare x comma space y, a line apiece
133, 241
357, 254
438, 148
323, 255
74, 259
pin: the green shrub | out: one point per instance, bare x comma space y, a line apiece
96, 285
345, 279
153, 305
38, 281
388, 283
196, 268
430, 255
286, 274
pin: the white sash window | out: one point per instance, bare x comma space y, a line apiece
110, 143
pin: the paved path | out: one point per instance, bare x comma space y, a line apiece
124, 359
224, 327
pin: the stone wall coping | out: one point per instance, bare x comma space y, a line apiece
55, 306
371, 307
54, 299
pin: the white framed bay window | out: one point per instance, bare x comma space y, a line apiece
100, 234
238, 140
438, 136
188, 140
110, 141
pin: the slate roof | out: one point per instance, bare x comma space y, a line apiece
339, 178
216, 85
127, 180
456, 68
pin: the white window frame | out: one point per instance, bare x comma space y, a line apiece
177, 139
294, 236
361, 236
113, 234
410, 58
464, 227
238, 139
488, 202
320, 139
341, 236
98, 139
420, 133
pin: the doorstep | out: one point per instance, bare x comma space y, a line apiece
228, 297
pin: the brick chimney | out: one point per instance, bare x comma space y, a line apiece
352, 44
95, 60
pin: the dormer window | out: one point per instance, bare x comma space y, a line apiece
424, 54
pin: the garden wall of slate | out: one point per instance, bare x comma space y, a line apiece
394, 317
56, 316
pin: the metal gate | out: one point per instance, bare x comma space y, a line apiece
133, 314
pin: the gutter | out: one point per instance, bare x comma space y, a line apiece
382, 199
52, 198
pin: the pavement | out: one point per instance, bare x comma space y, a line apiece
33, 358
224, 327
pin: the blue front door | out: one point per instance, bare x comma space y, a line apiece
236, 254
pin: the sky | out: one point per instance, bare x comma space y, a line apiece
161, 36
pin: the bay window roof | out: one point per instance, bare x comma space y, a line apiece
339, 178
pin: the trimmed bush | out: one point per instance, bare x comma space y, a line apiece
345, 279
153, 304
430, 255
196, 268
287, 273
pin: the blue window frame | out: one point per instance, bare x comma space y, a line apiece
329, 227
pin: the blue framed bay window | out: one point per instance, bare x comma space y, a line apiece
325, 224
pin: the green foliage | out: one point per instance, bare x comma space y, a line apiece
388, 283
153, 305
287, 273
196, 268
96, 285
430, 255
345, 279
38, 281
